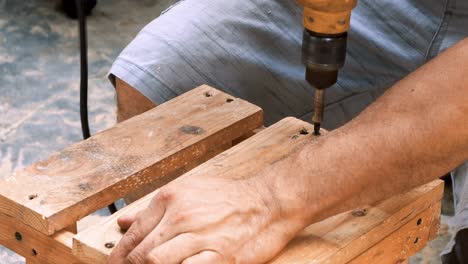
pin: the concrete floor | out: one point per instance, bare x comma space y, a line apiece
39, 79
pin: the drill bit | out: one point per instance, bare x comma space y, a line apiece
318, 110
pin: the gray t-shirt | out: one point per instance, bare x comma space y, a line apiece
252, 49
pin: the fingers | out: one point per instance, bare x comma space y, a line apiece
158, 236
176, 250
170, 226
142, 225
126, 221
205, 257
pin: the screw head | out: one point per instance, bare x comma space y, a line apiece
341, 22
109, 245
310, 19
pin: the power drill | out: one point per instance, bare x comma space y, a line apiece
326, 23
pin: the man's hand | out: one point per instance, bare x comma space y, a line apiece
206, 220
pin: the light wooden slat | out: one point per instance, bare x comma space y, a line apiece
150, 187
405, 242
341, 238
89, 246
262, 149
335, 240
59, 191
35, 246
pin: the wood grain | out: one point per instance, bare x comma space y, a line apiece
35, 246
86, 176
343, 237
405, 242
246, 158
152, 186
336, 240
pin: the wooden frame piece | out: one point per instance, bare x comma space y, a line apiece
406, 241
338, 239
90, 174
174, 138
35, 246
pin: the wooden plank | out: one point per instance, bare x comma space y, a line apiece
341, 238
406, 241
92, 245
150, 187
90, 174
35, 246
266, 147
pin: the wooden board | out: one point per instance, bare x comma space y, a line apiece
73, 183
341, 238
35, 246
406, 241
335, 240
150, 187
266, 147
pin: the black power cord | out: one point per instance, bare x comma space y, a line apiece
80, 4
70, 8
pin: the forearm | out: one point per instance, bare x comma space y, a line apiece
413, 134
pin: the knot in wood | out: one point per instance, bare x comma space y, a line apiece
192, 130
84, 186
359, 213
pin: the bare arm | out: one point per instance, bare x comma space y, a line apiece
414, 133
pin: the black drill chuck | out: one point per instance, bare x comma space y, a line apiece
324, 55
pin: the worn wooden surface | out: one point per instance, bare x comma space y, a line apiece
336, 240
406, 241
150, 187
341, 238
90, 174
35, 246
89, 245
247, 158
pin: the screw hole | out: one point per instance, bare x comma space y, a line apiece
416, 240
359, 213
304, 131
419, 221
34, 252
18, 236
32, 196
109, 245
208, 94
229, 100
